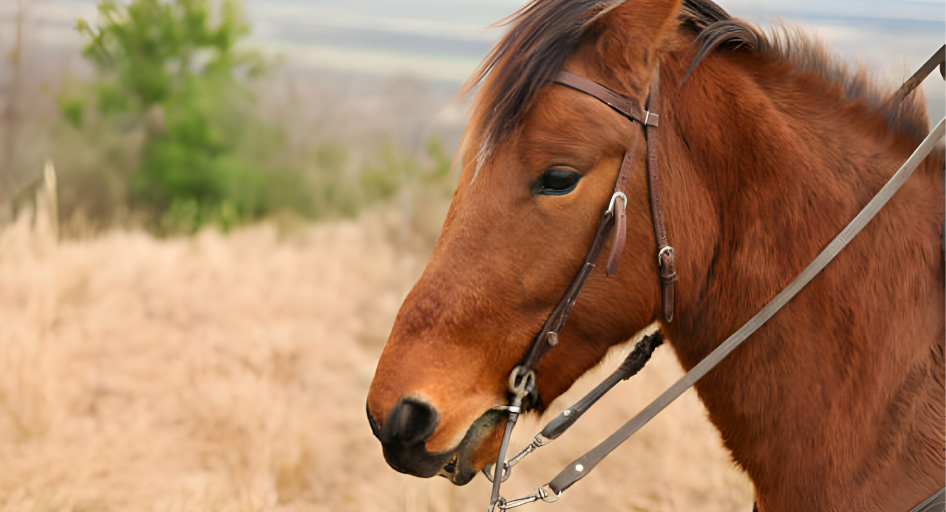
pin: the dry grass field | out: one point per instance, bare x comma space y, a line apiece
229, 373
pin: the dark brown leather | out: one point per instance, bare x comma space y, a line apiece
548, 336
622, 105
668, 275
938, 59
649, 120
620, 206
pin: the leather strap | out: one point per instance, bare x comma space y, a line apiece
665, 253
583, 465
938, 58
622, 105
615, 213
634, 362
548, 336
649, 120
620, 233
935, 503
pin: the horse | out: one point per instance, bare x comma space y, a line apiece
769, 146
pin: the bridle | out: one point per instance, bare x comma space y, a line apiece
522, 378
613, 217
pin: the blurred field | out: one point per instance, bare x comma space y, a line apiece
225, 373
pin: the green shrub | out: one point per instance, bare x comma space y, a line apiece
170, 125
166, 69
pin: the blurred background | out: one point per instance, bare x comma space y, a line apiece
202, 250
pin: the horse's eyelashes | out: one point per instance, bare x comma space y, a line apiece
556, 182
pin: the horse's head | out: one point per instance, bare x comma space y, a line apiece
539, 167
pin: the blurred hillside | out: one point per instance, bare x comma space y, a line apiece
349, 90
229, 135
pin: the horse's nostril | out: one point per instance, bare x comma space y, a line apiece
411, 421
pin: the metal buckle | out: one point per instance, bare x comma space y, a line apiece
648, 115
544, 496
613, 197
660, 255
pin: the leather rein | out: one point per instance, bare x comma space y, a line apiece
522, 378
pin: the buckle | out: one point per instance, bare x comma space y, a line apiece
648, 117
613, 197
660, 255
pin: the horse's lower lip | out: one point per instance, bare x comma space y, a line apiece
459, 469
451, 467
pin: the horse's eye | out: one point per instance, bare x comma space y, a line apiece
556, 182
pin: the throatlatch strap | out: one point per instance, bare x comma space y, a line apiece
582, 466
665, 253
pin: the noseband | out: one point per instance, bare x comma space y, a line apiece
522, 377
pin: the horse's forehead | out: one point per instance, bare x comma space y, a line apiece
562, 127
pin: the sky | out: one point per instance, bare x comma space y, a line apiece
444, 40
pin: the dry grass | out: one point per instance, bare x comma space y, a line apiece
228, 373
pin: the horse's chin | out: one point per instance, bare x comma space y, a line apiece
482, 436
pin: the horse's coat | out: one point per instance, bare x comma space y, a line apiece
767, 150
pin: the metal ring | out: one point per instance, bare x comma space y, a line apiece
665, 250
487, 470
500, 502
615, 196
545, 495
522, 387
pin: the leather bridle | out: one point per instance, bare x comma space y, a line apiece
522, 377
613, 217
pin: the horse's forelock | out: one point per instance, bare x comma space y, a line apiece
543, 34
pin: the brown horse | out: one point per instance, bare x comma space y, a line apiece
768, 148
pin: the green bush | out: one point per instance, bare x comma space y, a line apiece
172, 103
166, 69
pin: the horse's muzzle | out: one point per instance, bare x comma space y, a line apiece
409, 424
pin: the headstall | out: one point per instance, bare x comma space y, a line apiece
522, 378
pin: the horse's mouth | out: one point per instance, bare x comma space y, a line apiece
460, 469
451, 471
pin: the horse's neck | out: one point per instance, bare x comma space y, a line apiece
756, 186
